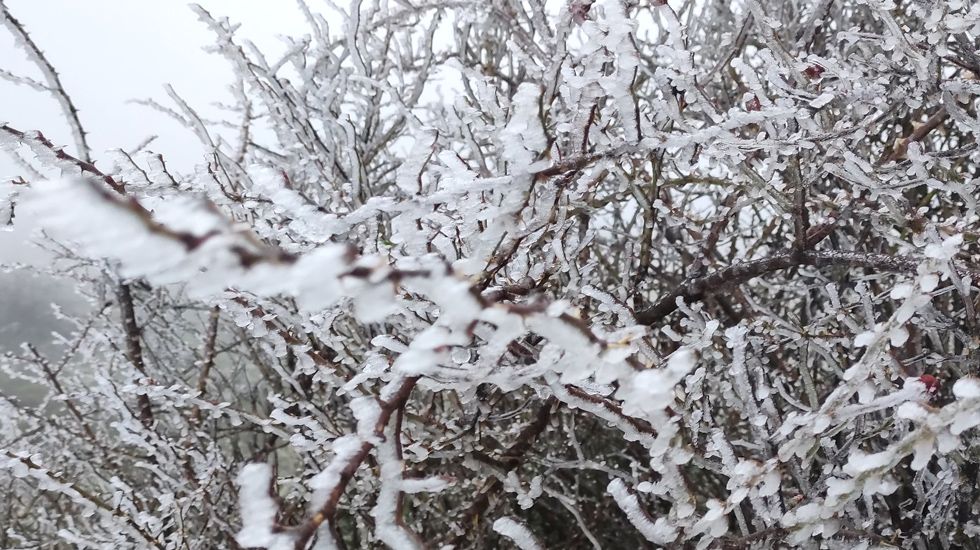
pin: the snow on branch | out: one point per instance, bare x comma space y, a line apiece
518, 533
657, 531
452, 273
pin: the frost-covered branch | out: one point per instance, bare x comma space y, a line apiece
51, 77
578, 274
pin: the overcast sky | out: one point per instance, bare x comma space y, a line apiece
109, 52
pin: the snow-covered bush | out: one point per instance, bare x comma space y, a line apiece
473, 274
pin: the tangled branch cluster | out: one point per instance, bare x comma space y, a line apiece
608, 274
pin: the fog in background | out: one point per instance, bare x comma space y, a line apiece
108, 53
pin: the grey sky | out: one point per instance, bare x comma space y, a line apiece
109, 52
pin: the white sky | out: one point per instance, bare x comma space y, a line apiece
112, 51
109, 52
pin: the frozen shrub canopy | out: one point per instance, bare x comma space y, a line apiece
515, 273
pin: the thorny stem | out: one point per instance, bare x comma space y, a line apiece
134, 348
84, 162
53, 79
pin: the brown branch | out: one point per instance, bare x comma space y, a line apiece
801, 218
134, 348
400, 499
54, 81
638, 424
574, 164
901, 147
778, 533
510, 460
52, 377
327, 512
90, 497
698, 288
84, 166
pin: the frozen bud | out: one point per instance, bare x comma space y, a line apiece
813, 72
931, 383
580, 11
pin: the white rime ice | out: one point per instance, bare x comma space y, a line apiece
658, 531
258, 509
685, 274
517, 532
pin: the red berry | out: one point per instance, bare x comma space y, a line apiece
754, 104
931, 382
813, 72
